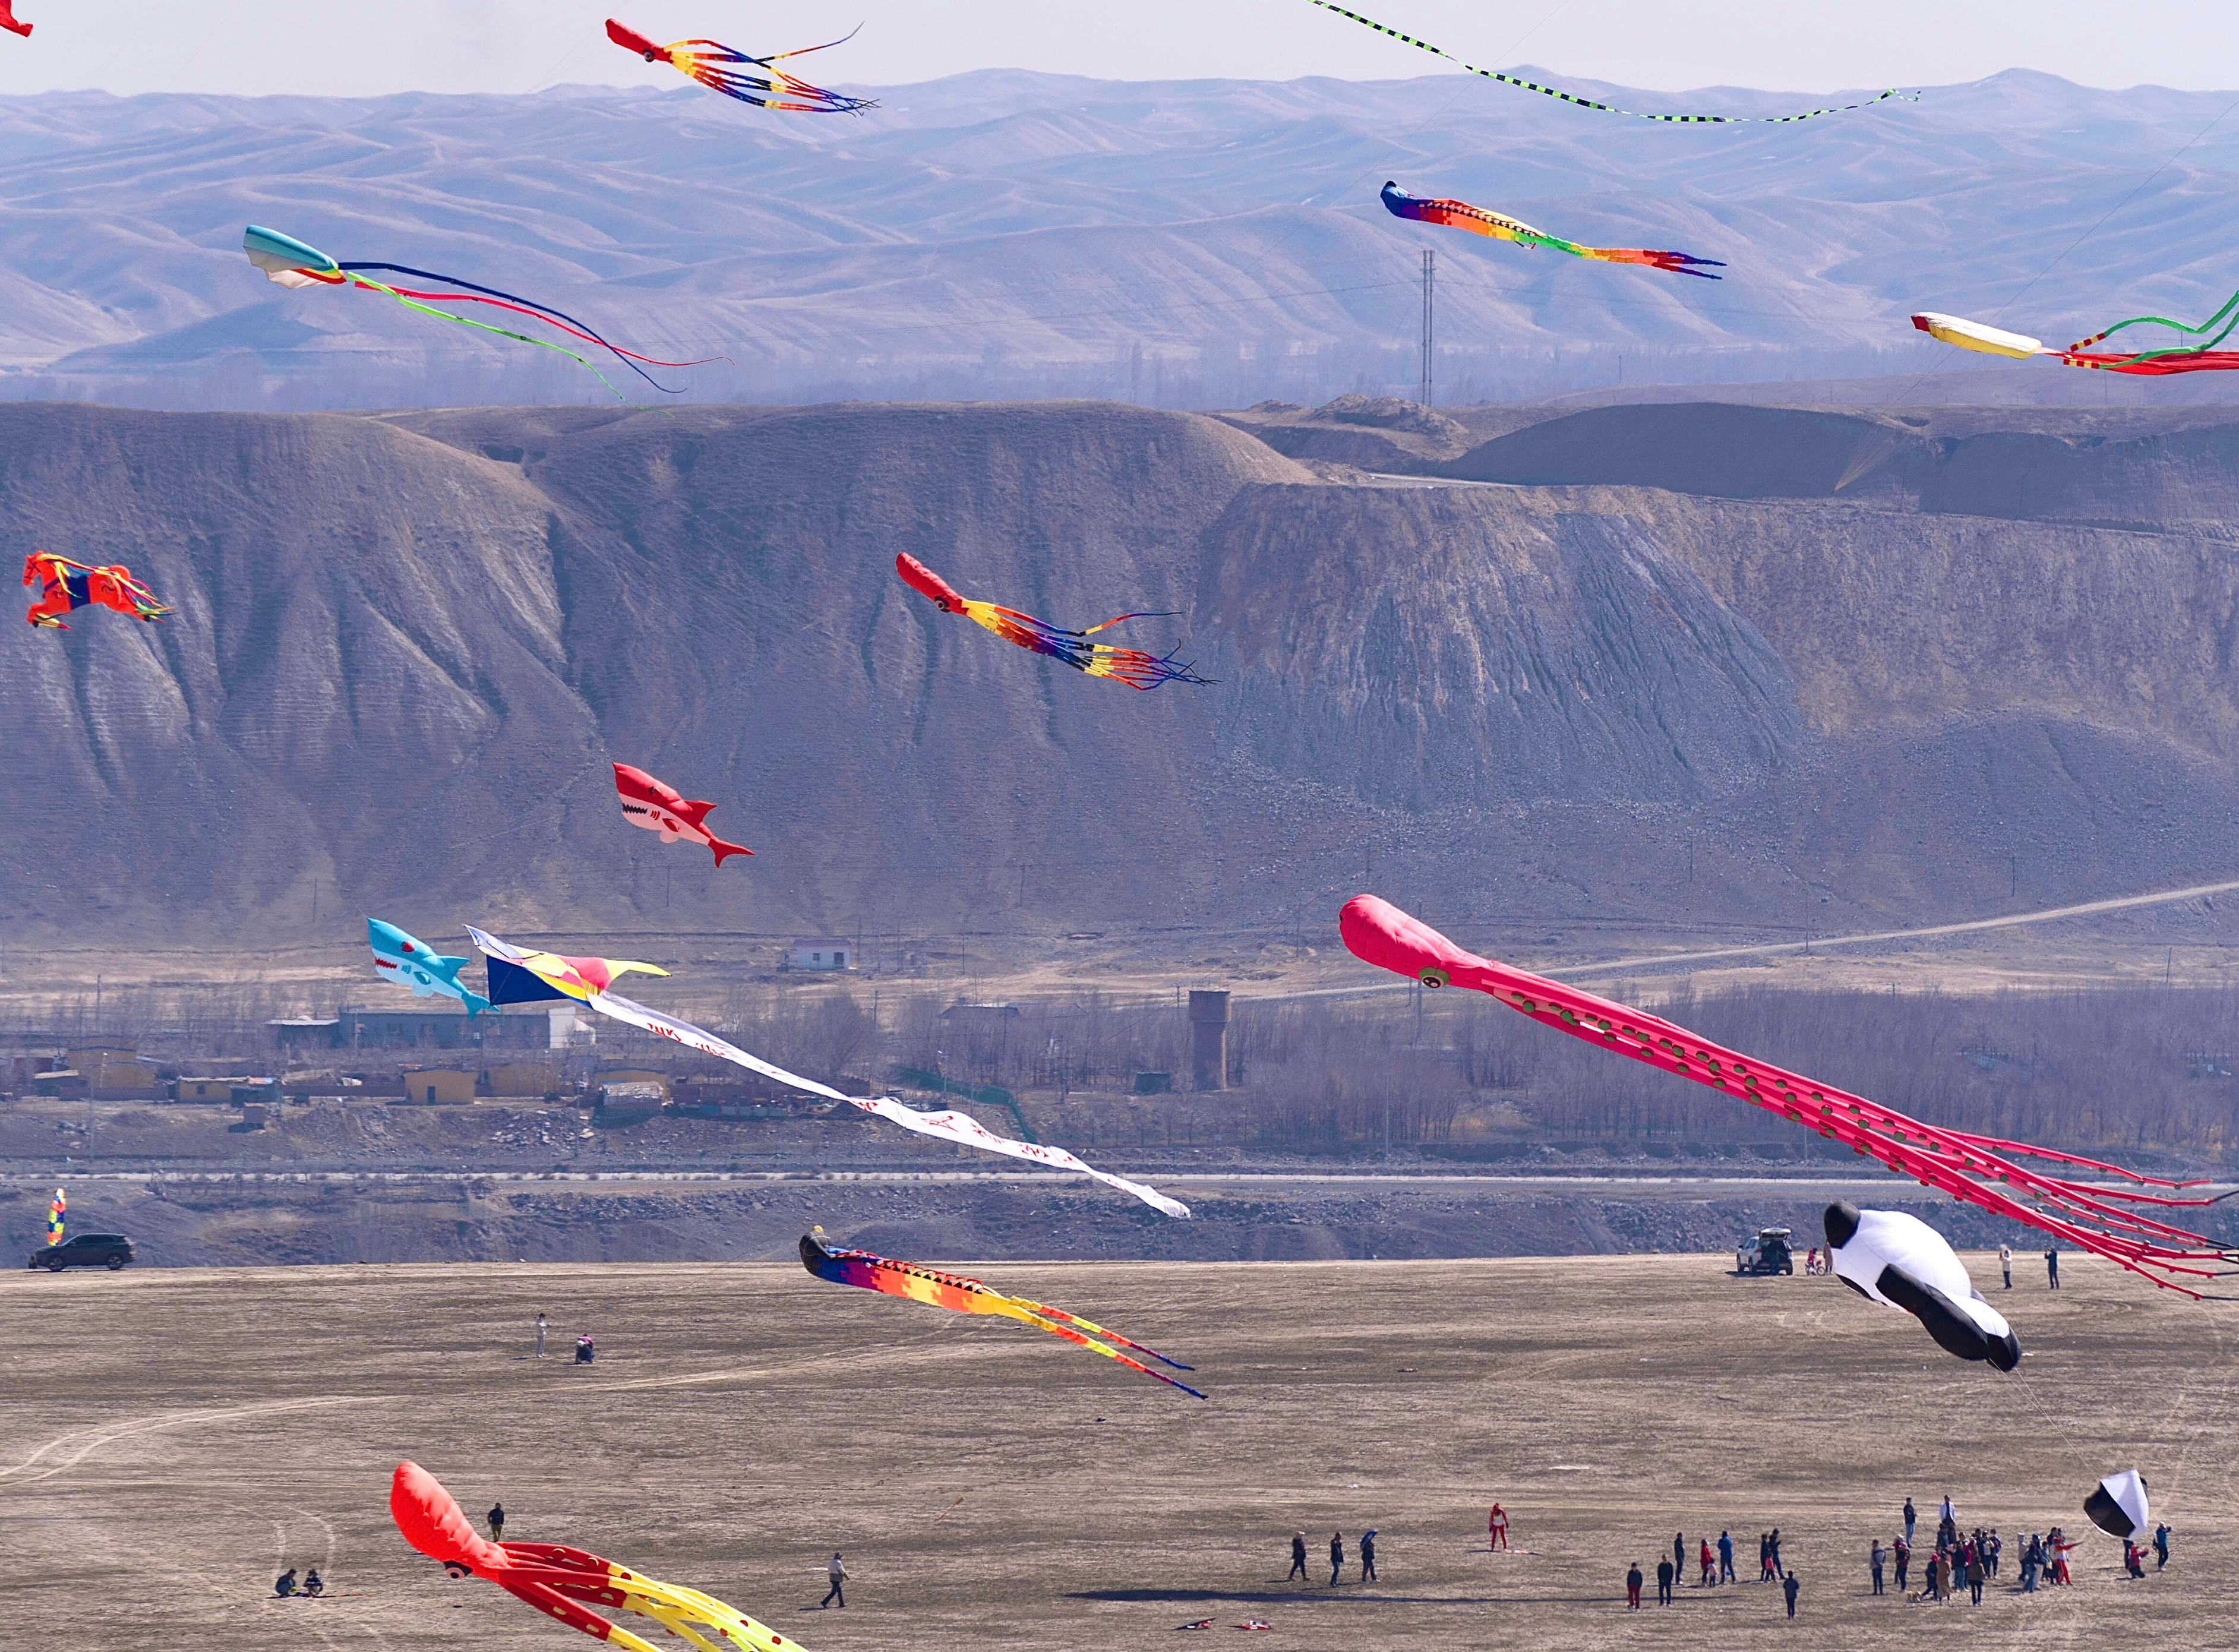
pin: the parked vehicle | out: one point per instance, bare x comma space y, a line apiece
1767, 1253
109, 1250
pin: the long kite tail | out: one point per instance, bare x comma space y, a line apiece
2091, 1217
1133, 667
1018, 1309
2226, 319
709, 69
472, 292
1611, 109
1094, 1329
1499, 226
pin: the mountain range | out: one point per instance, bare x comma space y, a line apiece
1003, 233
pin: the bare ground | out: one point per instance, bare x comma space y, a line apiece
171, 1438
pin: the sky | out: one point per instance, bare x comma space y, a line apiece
299, 46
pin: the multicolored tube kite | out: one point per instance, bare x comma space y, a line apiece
289, 262
557, 1581
521, 977
2203, 357
56, 1213
721, 68
2092, 1216
1573, 99
869, 1271
1459, 215
1130, 666
64, 585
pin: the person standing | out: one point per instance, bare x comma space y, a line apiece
1298, 1559
1790, 1587
1727, 1557
497, 1522
837, 1571
1947, 1517
1664, 1582
2161, 1546
2052, 1267
1778, 1570
1679, 1556
1909, 1516
1875, 1560
1337, 1557
1902, 1553
1498, 1525
1975, 1569
1632, 1587
2006, 1263
1368, 1556
539, 1336
1709, 1577
2029, 1567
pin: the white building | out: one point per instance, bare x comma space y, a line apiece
821, 954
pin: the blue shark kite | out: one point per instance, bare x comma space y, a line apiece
411, 962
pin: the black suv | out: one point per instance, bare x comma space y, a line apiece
110, 1250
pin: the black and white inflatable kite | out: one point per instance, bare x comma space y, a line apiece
1900, 1261
2117, 1505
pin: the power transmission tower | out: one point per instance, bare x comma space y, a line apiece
1430, 312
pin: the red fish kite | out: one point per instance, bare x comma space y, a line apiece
63, 584
660, 807
7, 20
566, 1583
1131, 666
2092, 1216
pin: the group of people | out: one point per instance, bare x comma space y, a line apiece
586, 1351
1715, 1568
1969, 1560
310, 1588
1336, 1557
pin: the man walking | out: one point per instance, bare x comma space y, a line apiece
1790, 1587
837, 1571
1664, 1582
539, 1336
2052, 1267
1337, 1557
1632, 1587
1875, 1561
497, 1522
2006, 1263
1298, 1559
1368, 1556
1498, 1527
1727, 1557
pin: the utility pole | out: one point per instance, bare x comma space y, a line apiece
1429, 310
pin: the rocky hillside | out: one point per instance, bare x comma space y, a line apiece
1758, 667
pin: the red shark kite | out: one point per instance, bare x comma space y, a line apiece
2100, 1216
660, 807
554, 1579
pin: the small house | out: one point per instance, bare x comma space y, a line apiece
820, 953
439, 1086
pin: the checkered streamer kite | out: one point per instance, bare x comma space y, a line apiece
291, 262
2097, 1216
727, 69
1131, 666
1459, 215
565, 1583
1561, 96
2200, 357
952, 1290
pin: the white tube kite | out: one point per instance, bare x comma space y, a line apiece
2117, 1505
1900, 1261
1976, 336
565, 977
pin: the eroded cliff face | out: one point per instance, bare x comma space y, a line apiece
1838, 652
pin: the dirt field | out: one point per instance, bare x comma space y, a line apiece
169, 1439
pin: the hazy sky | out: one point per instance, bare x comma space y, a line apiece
517, 45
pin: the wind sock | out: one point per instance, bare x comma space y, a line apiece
2201, 357
1611, 109
1459, 215
1130, 666
520, 977
869, 1271
7, 20
2088, 1215
54, 1214
64, 585
291, 262
726, 69
554, 1578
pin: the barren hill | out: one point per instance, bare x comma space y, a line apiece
1984, 668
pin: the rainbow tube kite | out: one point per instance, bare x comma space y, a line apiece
717, 66
517, 976
554, 1579
54, 1214
1459, 215
63, 586
291, 262
952, 1290
1130, 666
1611, 109
2089, 1215
2203, 357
